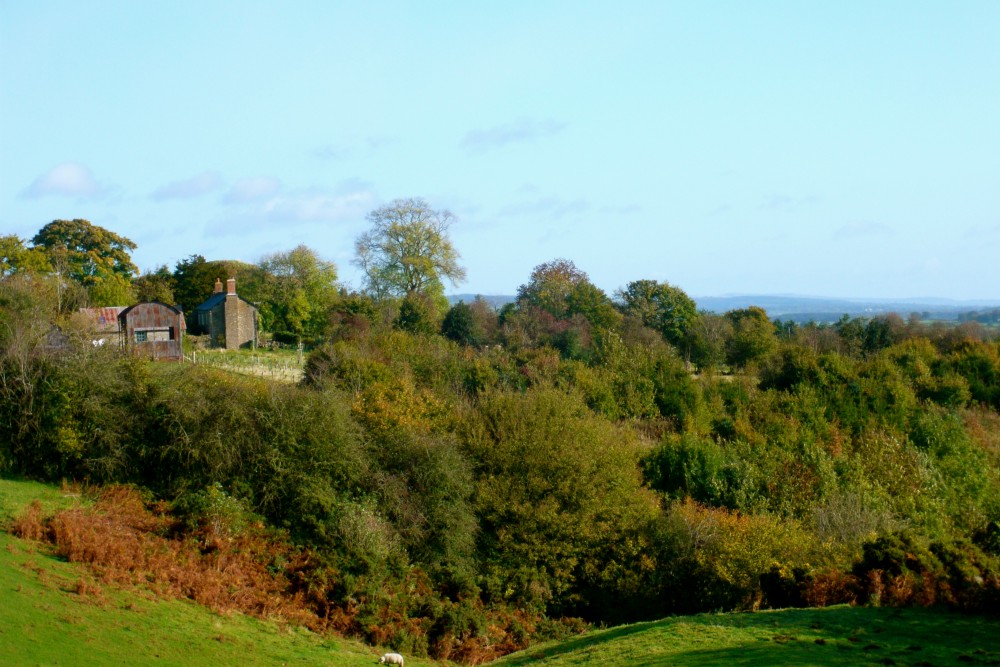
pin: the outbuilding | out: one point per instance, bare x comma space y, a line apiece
153, 329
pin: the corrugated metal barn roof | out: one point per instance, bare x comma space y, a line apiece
104, 320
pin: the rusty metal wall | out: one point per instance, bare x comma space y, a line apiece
154, 316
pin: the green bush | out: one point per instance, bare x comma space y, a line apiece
691, 467
556, 487
713, 559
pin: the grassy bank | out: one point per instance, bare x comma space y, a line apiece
56, 613
839, 635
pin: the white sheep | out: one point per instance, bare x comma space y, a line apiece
391, 659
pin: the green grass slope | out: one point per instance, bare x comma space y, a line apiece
55, 613
802, 637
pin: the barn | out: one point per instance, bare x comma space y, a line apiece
153, 329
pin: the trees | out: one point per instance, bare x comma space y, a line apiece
92, 256
562, 290
407, 250
550, 286
300, 289
417, 315
460, 325
194, 281
15, 257
660, 306
559, 306
155, 286
92, 253
753, 336
708, 337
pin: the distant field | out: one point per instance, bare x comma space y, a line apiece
832, 636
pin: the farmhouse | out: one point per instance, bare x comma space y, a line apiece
229, 320
153, 329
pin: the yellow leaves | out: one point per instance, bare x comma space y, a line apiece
386, 406
737, 547
68, 442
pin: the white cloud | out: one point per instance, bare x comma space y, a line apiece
524, 130
346, 203
69, 179
189, 188
318, 206
252, 189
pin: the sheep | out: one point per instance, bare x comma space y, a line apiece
391, 659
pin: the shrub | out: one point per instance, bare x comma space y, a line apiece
902, 569
713, 559
556, 488
688, 466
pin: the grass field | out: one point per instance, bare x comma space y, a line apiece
832, 636
56, 613
282, 366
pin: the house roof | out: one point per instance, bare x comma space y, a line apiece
125, 311
212, 301
104, 320
218, 298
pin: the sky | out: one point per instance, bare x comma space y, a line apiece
840, 149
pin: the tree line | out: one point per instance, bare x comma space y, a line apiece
465, 477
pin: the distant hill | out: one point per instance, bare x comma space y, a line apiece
495, 300
813, 308
824, 309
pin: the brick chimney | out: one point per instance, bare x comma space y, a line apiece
218, 285
232, 310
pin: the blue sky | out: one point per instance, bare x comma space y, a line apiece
846, 149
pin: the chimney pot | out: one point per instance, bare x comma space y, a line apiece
218, 285
231, 286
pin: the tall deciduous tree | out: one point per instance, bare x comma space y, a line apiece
550, 286
562, 290
156, 285
16, 257
407, 250
708, 338
660, 306
92, 253
301, 288
194, 280
753, 336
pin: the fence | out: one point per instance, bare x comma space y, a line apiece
283, 368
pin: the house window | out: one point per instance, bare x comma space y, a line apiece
154, 335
